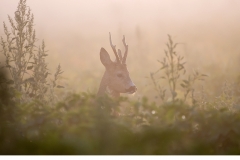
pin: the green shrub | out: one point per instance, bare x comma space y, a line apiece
26, 65
84, 124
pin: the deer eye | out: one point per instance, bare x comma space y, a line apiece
119, 75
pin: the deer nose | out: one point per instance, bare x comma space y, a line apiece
131, 89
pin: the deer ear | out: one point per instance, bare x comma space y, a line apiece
105, 58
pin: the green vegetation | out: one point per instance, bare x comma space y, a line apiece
84, 124
174, 69
31, 122
25, 63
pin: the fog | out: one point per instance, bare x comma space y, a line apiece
74, 31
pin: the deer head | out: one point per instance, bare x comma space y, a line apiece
116, 78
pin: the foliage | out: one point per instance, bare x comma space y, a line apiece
86, 124
174, 69
228, 98
26, 65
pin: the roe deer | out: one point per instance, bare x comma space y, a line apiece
116, 78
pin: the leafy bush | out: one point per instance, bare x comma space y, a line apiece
28, 69
83, 124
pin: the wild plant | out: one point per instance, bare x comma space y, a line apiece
227, 98
174, 70
201, 99
25, 63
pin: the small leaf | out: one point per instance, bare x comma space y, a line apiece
184, 71
30, 79
183, 85
10, 82
175, 45
58, 86
162, 67
204, 75
46, 74
25, 23
186, 81
29, 67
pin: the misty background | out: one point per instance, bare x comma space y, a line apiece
208, 33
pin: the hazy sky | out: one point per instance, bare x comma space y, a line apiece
75, 30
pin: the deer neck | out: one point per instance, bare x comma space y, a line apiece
103, 87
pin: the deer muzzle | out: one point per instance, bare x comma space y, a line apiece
131, 90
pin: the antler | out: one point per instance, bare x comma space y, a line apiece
114, 48
120, 55
126, 50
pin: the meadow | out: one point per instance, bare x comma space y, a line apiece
187, 101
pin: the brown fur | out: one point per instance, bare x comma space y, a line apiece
116, 78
